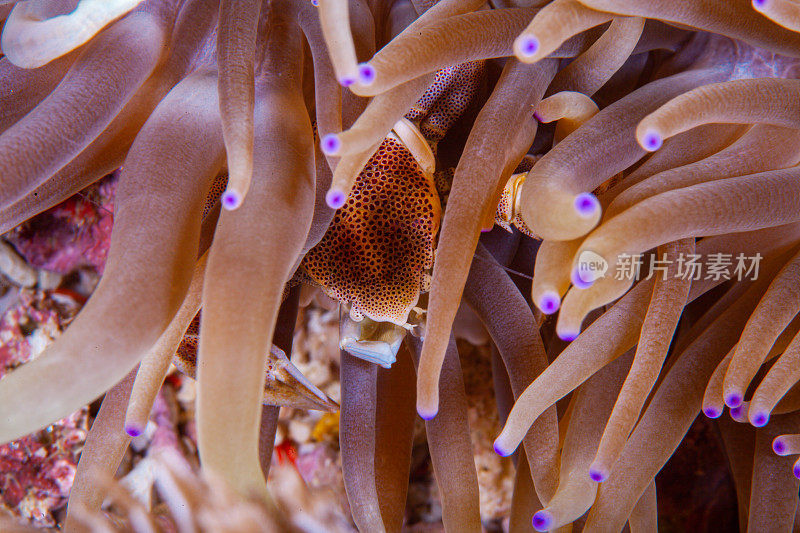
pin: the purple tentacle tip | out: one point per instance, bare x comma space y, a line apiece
796, 471
712, 412
499, 450
736, 412
528, 46
578, 281
366, 73
542, 520
652, 141
778, 446
335, 198
760, 420
347, 81
568, 336
315, 3
133, 431
586, 204
427, 415
231, 200
330, 144
598, 475
733, 399
550, 302
537, 116
759, 3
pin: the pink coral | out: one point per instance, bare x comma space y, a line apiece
75, 233
37, 471
31, 323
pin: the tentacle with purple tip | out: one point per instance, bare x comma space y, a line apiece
579, 361
377, 119
779, 380
766, 100
683, 149
514, 330
670, 413
670, 294
591, 406
154, 366
783, 12
102, 452
773, 496
726, 206
334, 16
772, 315
552, 25
165, 181
250, 261
760, 149
617, 331
451, 448
598, 150
443, 43
733, 19
470, 204
236, 50
551, 277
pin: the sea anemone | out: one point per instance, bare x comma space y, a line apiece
659, 217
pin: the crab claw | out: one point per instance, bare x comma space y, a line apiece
286, 385
376, 342
507, 214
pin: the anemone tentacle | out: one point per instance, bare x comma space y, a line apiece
154, 366
450, 445
394, 428
772, 315
592, 69
236, 51
523, 357
552, 26
760, 149
669, 297
30, 40
764, 101
670, 412
110, 70
249, 263
166, 182
359, 379
734, 19
554, 185
102, 451
761, 200
591, 131
22, 89
474, 186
